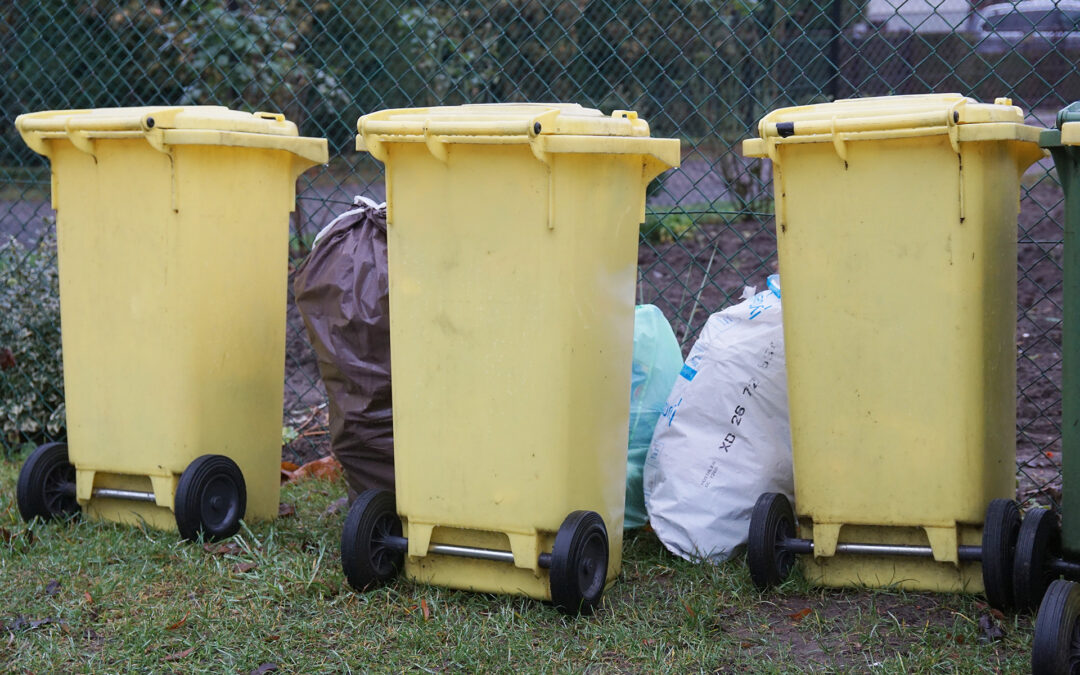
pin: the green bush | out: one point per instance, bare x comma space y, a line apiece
31, 370
665, 228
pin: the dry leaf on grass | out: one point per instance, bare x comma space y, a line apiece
327, 468
242, 567
799, 615
336, 505
285, 510
424, 609
181, 622
226, 548
286, 470
176, 656
264, 669
989, 629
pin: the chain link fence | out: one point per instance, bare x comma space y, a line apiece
700, 70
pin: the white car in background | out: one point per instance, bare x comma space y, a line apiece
1031, 27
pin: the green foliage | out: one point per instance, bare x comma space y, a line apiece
665, 228
31, 389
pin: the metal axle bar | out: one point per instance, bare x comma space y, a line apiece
806, 546
1065, 567
133, 495
402, 544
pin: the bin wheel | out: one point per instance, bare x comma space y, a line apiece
211, 498
1056, 646
46, 485
366, 558
1039, 542
771, 522
1000, 532
579, 562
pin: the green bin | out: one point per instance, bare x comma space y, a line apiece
1043, 551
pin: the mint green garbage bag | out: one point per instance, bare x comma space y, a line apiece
657, 361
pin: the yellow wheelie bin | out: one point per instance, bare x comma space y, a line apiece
896, 229
512, 235
172, 246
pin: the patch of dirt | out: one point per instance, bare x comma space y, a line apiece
852, 630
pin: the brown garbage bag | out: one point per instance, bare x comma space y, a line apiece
341, 291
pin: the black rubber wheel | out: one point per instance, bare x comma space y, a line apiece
46, 485
579, 562
367, 560
1055, 650
1039, 543
211, 498
1000, 532
771, 522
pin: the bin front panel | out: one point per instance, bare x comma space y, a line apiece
512, 340
173, 272
899, 319
1067, 165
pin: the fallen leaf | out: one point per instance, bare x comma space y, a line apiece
336, 506
648, 642
22, 623
424, 609
176, 656
746, 645
989, 629
287, 469
181, 622
6, 536
799, 615
959, 639
997, 614
272, 638
264, 669
285, 510
52, 588
226, 548
689, 610
327, 468
89, 600
242, 567
7, 359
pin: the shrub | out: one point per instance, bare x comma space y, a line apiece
31, 370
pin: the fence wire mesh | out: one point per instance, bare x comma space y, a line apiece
700, 70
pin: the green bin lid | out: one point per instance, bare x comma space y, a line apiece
1070, 113
1067, 131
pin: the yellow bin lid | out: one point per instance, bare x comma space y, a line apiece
888, 117
163, 126
545, 127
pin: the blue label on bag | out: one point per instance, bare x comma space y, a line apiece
688, 372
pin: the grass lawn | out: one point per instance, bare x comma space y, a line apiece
90, 597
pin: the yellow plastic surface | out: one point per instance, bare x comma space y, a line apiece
513, 265
173, 272
898, 257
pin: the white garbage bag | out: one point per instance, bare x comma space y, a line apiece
724, 437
